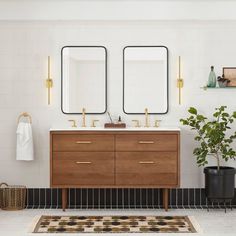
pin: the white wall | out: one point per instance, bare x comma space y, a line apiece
117, 10
24, 47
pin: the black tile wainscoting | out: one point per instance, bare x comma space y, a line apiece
119, 198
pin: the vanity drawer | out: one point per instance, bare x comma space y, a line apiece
147, 180
147, 142
83, 142
151, 168
83, 168
146, 162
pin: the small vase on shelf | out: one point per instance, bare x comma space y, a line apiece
212, 78
222, 82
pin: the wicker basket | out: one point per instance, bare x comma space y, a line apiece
12, 197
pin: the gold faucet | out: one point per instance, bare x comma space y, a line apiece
83, 115
146, 118
137, 123
157, 123
94, 123
73, 123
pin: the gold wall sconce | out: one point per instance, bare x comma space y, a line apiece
180, 82
49, 81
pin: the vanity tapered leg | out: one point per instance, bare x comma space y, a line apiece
165, 199
64, 199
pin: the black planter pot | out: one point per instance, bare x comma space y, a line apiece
219, 184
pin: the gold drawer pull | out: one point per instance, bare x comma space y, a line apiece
83, 142
146, 142
83, 162
146, 162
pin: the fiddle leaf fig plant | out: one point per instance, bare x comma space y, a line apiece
212, 135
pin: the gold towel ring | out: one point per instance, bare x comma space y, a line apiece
25, 114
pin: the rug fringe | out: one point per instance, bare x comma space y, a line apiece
34, 223
195, 224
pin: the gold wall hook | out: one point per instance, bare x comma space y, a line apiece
180, 82
49, 81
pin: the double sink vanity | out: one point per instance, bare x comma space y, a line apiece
115, 158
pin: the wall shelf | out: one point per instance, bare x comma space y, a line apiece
205, 88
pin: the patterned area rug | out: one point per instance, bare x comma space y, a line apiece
114, 224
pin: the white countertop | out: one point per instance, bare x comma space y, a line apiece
166, 128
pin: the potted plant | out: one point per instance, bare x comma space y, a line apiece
214, 141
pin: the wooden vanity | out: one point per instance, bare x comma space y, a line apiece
114, 159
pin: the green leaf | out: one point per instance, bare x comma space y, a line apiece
225, 114
197, 138
234, 114
201, 117
192, 110
184, 122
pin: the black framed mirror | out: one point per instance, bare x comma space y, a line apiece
84, 79
145, 79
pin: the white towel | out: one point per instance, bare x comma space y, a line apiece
24, 144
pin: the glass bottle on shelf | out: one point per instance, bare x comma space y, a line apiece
212, 78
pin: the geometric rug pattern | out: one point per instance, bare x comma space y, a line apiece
114, 224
